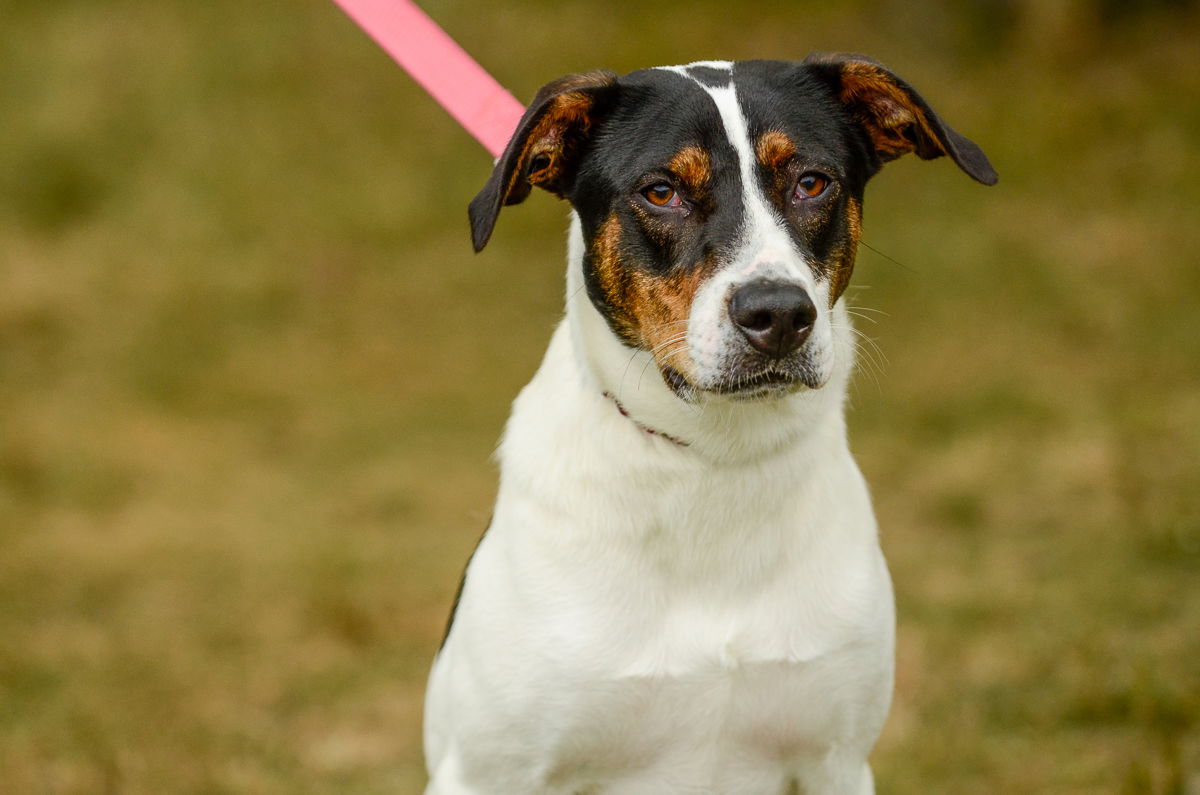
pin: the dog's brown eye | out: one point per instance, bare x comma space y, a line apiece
811, 185
662, 195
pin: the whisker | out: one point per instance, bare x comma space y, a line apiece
870, 354
874, 345
576, 292
674, 352
665, 357
649, 360
861, 312
669, 323
870, 367
669, 341
655, 351
625, 372
860, 316
865, 348
892, 260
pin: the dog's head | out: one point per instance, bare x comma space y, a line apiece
720, 204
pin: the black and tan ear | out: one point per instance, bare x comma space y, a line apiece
895, 117
545, 149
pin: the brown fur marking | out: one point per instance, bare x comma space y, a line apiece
662, 305
612, 277
843, 257
567, 119
774, 149
568, 113
650, 310
885, 109
693, 166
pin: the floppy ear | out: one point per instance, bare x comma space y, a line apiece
545, 149
894, 116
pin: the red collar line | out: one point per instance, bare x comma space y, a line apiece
644, 428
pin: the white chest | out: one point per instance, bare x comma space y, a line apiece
642, 620
733, 727
718, 649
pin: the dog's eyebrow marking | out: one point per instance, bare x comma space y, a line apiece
692, 165
774, 149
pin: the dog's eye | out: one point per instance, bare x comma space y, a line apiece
811, 185
662, 195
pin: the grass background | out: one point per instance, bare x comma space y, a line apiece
251, 376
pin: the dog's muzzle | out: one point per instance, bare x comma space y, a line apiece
766, 356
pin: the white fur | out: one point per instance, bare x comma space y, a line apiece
647, 618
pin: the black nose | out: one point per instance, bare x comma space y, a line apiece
775, 317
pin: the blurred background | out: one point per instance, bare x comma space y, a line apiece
251, 375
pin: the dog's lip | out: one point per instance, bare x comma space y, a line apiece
765, 381
762, 383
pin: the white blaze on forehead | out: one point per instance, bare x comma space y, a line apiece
766, 249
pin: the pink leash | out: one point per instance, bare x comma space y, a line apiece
441, 67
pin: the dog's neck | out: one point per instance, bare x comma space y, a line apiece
712, 426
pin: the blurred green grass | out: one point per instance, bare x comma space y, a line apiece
251, 375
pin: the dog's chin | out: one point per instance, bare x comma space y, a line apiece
746, 384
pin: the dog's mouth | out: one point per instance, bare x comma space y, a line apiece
765, 382
762, 383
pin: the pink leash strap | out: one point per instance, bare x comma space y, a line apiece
441, 67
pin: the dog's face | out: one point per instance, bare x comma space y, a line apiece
720, 204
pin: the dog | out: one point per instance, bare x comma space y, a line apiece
681, 589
